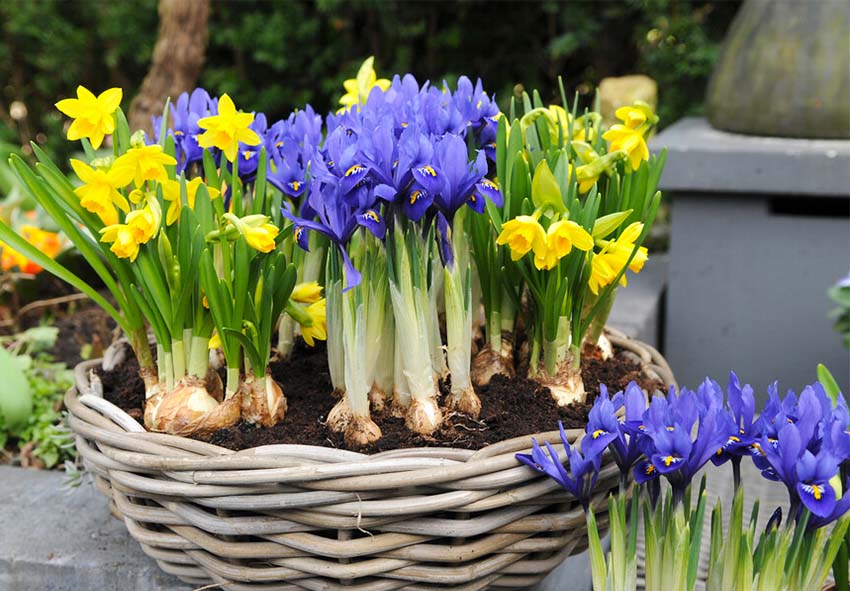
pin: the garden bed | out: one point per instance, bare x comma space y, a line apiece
511, 407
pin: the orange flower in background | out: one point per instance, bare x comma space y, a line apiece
47, 242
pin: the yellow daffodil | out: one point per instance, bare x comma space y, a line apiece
523, 234
123, 240
357, 89
585, 175
227, 129
563, 235
48, 243
147, 163
630, 141
144, 223
100, 192
631, 116
319, 328
307, 293
171, 193
92, 115
607, 264
624, 245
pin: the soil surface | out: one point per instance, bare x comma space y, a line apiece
511, 407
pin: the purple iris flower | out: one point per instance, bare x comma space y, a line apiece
583, 463
741, 411
249, 156
668, 444
806, 452
328, 211
185, 114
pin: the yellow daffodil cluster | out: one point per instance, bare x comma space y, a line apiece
630, 136
525, 234
49, 243
607, 263
357, 89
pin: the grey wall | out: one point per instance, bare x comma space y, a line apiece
747, 285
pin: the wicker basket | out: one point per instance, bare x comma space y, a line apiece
293, 517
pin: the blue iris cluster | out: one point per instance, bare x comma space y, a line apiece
414, 151
802, 441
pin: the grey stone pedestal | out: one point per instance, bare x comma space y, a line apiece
760, 230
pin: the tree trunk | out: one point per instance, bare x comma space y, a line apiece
178, 57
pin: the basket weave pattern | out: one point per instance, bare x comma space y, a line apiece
295, 517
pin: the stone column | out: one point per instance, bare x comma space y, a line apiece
760, 230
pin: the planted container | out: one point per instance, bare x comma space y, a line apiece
309, 517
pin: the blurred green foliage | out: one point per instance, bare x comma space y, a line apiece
273, 56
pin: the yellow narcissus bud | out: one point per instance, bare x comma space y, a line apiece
262, 237
123, 241
523, 234
307, 293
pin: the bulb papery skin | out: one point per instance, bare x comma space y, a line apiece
150, 378
605, 346
423, 415
566, 387
464, 400
361, 431
263, 402
214, 385
488, 363
190, 410
340, 416
377, 398
217, 360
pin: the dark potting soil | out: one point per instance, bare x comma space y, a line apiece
511, 407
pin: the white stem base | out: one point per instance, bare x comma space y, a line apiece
423, 415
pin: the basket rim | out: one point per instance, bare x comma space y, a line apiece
93, 417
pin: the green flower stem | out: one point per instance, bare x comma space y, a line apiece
198, 357
232, 382
597, 324
178, 359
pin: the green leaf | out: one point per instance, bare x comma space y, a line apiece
15, 395
603, 226
828, 382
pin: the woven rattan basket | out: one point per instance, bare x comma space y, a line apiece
293, 517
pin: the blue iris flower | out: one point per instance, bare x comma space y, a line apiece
584, 462
668, 444
741, 411
185, 114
